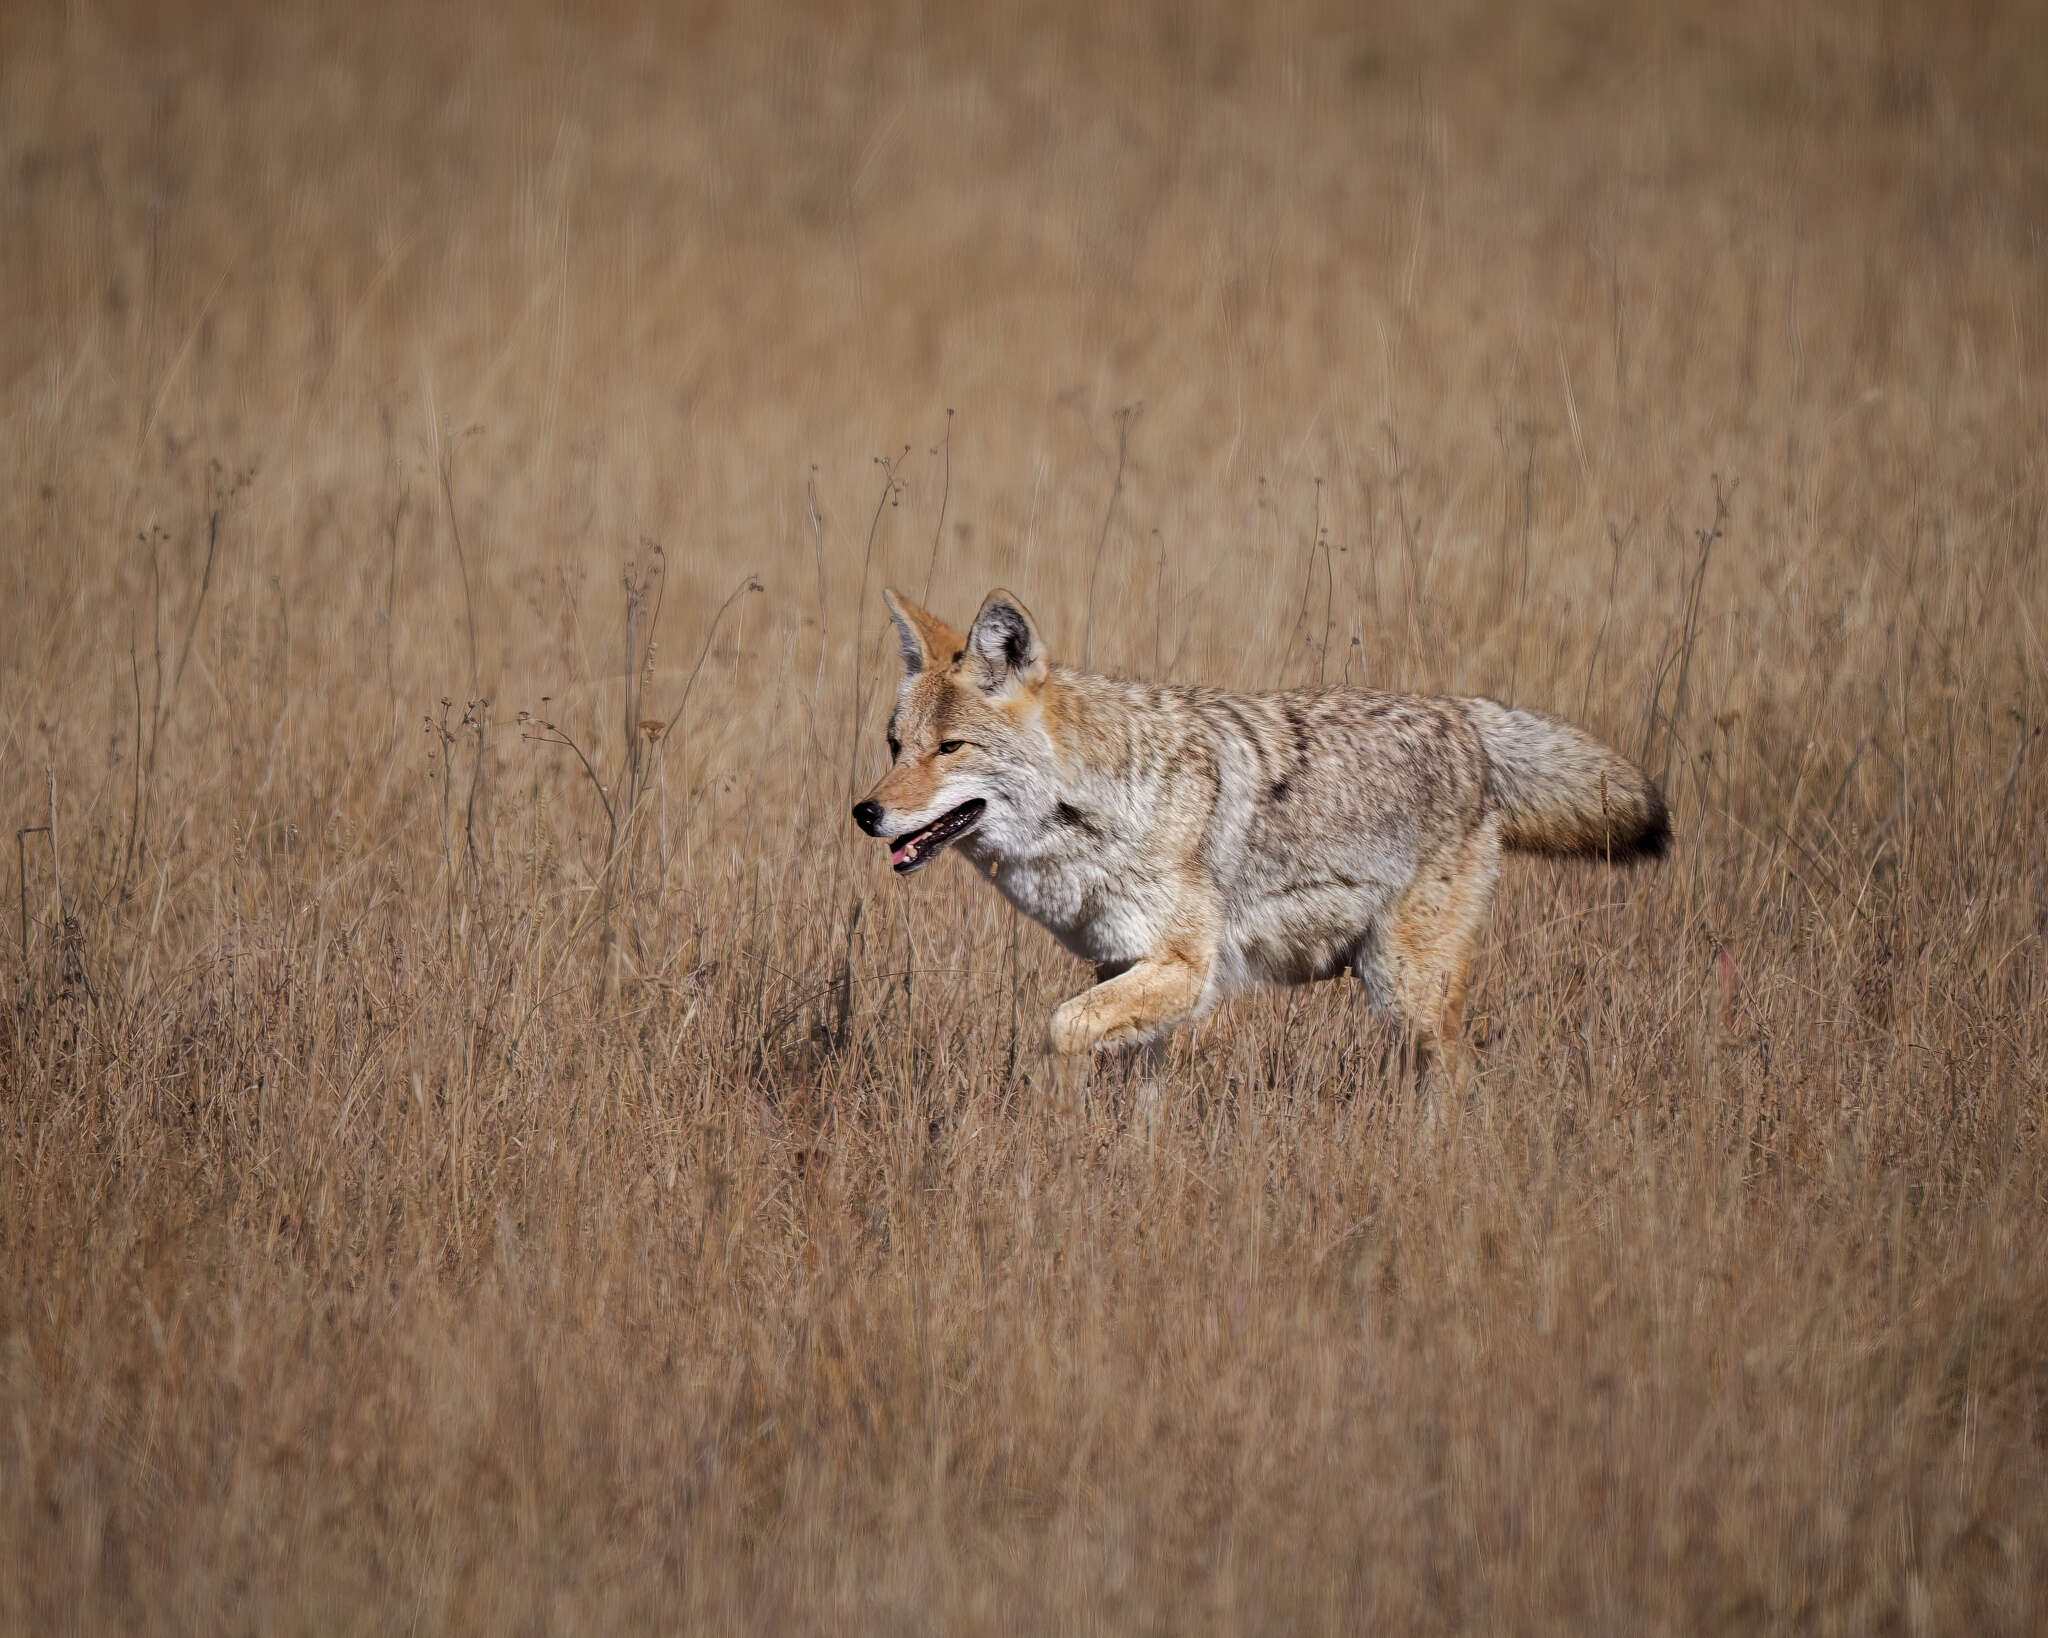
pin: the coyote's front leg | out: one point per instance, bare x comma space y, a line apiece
1131, 1007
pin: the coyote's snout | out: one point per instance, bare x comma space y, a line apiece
1190, 842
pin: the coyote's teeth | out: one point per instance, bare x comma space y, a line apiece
909, 851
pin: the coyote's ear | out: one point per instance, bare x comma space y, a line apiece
924, 637
1005, 642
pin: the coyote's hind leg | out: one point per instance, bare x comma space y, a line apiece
1430, 942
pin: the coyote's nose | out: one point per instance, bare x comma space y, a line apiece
868, 815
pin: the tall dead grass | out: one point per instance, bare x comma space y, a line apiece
474, 1171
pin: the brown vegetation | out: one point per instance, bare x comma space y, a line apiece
446, 1186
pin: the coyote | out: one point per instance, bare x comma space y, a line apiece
1191, 842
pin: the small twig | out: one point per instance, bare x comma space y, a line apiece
56, 862
21, 837
1707, 537
478, 718
1158, 607
2019, 753
1619, 539
153, 536
550, 734
1329, 611
1849, 773
842, 1023
891, 486
445, 460
816, 518
1308, 573
21, 864
751, 583
135, 802
816, 515
392, 525
221, 497
1124, 417
445, 741
1010, 1074
945, 494
161, 706
1522, 598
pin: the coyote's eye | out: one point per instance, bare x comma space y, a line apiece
895, 750
949, 746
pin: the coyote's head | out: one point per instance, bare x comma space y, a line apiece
968, 746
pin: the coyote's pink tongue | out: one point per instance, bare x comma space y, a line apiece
920, 847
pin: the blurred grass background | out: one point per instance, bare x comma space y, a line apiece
446, 1186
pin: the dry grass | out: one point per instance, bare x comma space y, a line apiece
411, 1220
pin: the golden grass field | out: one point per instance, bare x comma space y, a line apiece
440, 1194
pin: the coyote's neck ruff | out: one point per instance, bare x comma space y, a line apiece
1191, 842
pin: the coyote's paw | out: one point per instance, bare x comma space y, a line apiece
1089, 1024
1071, 1033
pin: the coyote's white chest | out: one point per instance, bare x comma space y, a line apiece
1101, 916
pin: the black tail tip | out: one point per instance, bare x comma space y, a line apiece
1648, 839
1653, 841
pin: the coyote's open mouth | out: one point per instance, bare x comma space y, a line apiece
916, 849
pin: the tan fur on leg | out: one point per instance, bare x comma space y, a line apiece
1435, 930
1129, 1007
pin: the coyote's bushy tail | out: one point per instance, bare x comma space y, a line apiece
1561, 791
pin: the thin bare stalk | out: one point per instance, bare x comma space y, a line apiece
1522, 595
21, 864
891, 488
945, 495
445, 461
1124, 418
1308, 572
